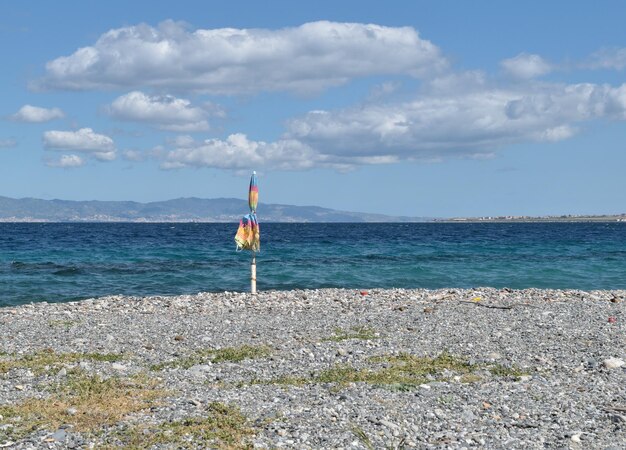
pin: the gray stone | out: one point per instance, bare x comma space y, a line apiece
613, 363
59, 435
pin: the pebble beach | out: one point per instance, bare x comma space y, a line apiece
328, 368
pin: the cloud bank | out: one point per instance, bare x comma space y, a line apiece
478, 120
469, 122
304, 59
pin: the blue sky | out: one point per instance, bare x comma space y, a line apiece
426, 108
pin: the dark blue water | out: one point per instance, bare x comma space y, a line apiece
60, 262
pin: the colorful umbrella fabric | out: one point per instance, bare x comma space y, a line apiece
248, 235
253, 194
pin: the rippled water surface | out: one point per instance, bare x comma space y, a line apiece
59, 262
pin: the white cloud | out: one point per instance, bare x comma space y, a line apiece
182, 141
308, 58
35, 114
8, 143
166, 112
67, 162
559, 133
608, 58
84, 140
133, 155
525, 65
105, 156
238, 152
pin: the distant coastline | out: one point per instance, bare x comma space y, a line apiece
227, 210
542, 219
179, 210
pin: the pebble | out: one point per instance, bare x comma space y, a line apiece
59, 435
200, 370
618, 418
613, 363
388, 424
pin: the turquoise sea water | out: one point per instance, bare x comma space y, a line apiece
60, 262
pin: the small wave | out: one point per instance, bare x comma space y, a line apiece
47, 265
374, 257
68, 271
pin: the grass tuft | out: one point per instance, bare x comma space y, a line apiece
363, 437
401, 372
361, 332
503, 371
44, 360
228, 354
60, 323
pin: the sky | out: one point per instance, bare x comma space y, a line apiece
424, 108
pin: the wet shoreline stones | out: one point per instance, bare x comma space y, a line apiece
560, 380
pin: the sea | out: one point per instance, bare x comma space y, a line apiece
57, 262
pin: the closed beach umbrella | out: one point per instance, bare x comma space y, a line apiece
253, 194
248, 235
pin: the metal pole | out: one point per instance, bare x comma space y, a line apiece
253, 274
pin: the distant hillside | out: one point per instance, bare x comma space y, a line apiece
176, 210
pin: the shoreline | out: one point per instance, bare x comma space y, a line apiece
238, 296
327, 368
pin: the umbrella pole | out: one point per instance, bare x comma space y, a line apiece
253, 274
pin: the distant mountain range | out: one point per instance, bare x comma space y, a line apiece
176, 210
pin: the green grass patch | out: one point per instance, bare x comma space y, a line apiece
401, 372
44, 360
86, 402
221, 426
445, 399
59, 323
503, 371
470, 378
361, 332
228, 354
424, 365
